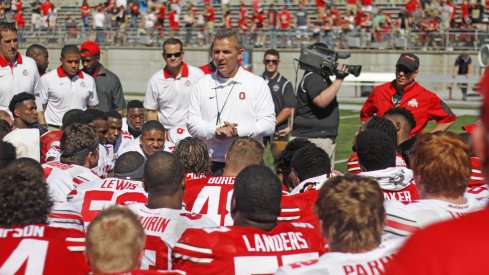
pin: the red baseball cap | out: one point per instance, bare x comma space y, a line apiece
89, 48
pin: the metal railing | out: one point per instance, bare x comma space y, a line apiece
197, 37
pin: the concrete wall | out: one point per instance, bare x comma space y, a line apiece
134, 66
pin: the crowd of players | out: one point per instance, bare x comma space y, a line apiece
114, 195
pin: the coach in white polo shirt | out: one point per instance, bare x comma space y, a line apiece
230, 102
67, 88
18, 73
168, 94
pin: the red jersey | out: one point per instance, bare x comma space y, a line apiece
163, 228
354, 167
90, 198
40, 249
210, 15
85, 10
242, 15
162, 12
452, 247
19, 19
245, 250
210, 196
45, 7
284, 19
423, 104
173, 18
300, 208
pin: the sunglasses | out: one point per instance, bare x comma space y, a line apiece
266, 61
169, 55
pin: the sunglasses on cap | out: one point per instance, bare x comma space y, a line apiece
266, 61
169, 55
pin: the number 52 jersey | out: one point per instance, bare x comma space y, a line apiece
245, 250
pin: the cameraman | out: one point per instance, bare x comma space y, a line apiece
317, 114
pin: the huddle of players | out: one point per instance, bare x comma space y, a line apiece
249, 221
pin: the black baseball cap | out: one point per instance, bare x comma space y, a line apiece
408, 60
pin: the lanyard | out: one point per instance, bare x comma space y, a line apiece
219, 112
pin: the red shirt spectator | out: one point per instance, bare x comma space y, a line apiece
258, 20
19, 19
45, 7
284, 18
465, 10
271, 17
173, 19
161, 12
19, 5
85, 10
320, 4
242, 15
411, 5
210, 16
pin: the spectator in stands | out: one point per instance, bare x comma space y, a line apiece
56, 99
174, 22
23, 76
35, 16
108, 85
228, 20
271, 21
404, 122
167, 97
210, 19
40, 54
164, 180
85, 14
441, 166
24, 110
476, 11
134, 120
284, 19
99, 24
20, 24
424, 105
189, 20
463, 66
283, 99
302, 22
17, 211
79, 148
377, 159
219, 127
53, 17
352, 218
134, 9
255, 207
352, 7
7, 151
151, 140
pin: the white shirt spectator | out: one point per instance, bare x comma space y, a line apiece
21, 76
61, 93
99, 20
171, 96
244, 99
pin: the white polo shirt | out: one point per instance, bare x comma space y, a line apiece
171, 96
21, 76
244, 99
61, 93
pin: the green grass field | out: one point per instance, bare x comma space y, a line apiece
350, 123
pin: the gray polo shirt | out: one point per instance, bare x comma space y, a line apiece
109, 91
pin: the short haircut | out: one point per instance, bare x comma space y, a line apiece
115, 240
7, 153
7, 27
173, 41
5, 128
244, 151
282, 163
96, 114
24, 195
75, 116
114, 114
194, 155
309, 162
76, 143
229, 33
151, 125
442, 160
384, 125
352, 211
257, 193
273, 52
135, 104
403, 113
34, 49
69, 49
375, 150
128, 163
163, 174
18, 99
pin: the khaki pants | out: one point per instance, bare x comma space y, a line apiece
327, 144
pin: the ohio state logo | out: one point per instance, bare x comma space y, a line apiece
413, 103
188, 83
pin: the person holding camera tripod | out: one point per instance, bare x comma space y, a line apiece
405, 92
317, 114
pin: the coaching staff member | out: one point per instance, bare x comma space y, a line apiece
230, 102
405, 92
317, 114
